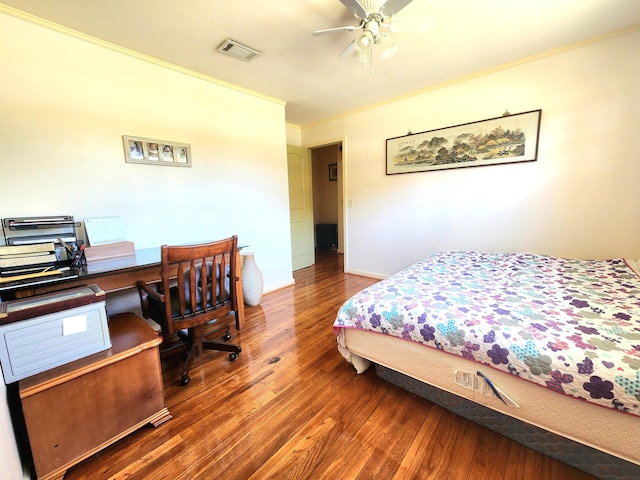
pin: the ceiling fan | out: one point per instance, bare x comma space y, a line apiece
373, 15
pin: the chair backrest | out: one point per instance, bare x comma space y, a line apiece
199, 282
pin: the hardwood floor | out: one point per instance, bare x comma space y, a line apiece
290, 407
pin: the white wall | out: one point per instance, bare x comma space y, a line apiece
9, 457
294, 133
66, 104
579, 199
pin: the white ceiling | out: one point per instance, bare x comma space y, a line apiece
467, 37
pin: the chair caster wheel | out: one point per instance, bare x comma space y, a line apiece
233, 356
184, 379
227, 336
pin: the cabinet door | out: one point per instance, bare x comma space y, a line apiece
70, 421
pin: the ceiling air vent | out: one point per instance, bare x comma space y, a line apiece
237, 50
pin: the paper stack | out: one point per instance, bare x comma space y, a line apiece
25, 259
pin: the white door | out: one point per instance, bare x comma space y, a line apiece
300, 207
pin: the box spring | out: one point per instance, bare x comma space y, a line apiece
601, 442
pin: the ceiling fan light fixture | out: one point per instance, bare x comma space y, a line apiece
373, 26
375, 15
387, 46
364, 41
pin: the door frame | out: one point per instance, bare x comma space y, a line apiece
342, 191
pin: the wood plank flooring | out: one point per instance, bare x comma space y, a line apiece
290, 407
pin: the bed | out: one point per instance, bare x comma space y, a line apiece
544, 350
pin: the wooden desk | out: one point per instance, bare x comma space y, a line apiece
115, 275
77, 409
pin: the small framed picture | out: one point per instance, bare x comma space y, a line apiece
135, 150
180, 154
156, 152
153, 152
333, 172
167, 152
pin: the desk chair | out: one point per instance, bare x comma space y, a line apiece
196, 290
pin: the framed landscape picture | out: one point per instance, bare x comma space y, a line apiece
506, 139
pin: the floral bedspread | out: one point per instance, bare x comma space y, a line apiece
572, 326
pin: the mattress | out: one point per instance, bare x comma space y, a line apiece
568, 325
551, 342
600, 428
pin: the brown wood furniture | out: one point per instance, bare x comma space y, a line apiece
114, 275
77, 409
207, 277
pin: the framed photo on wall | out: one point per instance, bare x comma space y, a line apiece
156, 152
333, 172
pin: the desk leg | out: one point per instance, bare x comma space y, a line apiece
240, 297
239, 294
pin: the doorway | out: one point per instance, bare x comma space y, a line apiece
315, 197
327, 190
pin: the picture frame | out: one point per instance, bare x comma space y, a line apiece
511, 138
152, 151
333, 172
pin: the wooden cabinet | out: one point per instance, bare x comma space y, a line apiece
77, 409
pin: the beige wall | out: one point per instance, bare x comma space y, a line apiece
65, 105
9, 457
294, 135
579, 199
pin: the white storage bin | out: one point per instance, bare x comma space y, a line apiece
42, 332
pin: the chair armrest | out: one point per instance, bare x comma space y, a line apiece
146, 292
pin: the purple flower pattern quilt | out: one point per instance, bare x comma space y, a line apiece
572, 326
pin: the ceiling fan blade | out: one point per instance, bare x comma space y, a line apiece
391, 7
350, 50
355, 6
413, 25
348, 28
